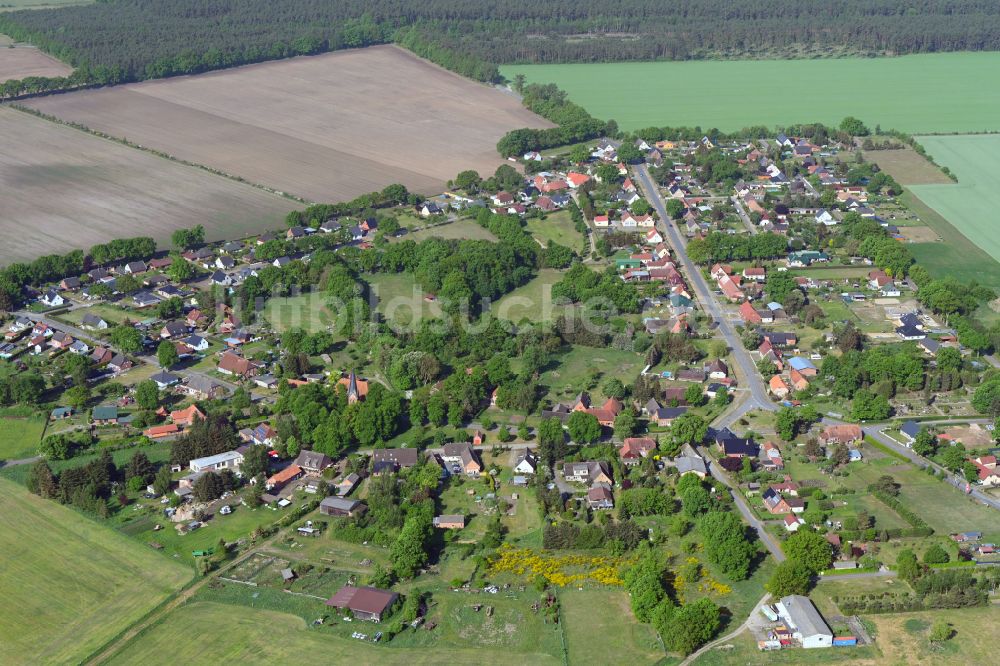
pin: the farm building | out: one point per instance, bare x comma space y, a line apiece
336, 506
805, 621
367, 603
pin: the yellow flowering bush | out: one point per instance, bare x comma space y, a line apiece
559, 570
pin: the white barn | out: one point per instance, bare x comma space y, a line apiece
804, 620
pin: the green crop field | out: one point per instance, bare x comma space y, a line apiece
971, 204
946, 92
69, 584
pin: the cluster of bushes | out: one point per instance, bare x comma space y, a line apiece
941, 589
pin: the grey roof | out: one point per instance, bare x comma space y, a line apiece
803, 616
910, 428
691, 464
340, 504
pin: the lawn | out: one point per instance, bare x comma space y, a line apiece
308, 311
600, 628
533, 301
70, 584
20, 436
732, 94
556, 228
944, 507
971, 204
461, 229
252, 635
239, 524
401, 299
578, 367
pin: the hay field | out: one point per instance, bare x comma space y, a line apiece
19, 61
908, 167
326, 127
930, 92
61, 189
69, 585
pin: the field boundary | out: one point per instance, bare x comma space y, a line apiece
152, 151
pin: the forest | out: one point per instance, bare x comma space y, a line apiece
125, 40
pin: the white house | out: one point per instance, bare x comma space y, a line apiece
52, 299
228, 460
525, 462
825, 217
804, 620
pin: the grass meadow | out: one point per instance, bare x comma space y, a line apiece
69, 584
256, 636
927, 93
21, 436
558, 228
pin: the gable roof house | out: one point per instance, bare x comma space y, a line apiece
461, 458
338, 506
235, 365
185, 418
634, 449
599, 497
594, 471
313, 462
390, 460
525, 462
732, 446
841, 434
778, 386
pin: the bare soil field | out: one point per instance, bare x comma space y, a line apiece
919, 234
19, 61
62, 189
326, 127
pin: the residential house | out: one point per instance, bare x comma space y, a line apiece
104, 415
93, 322
986, 467
749, 314
135, 268
718, 369
449, 522
798, 380
313, 462
525, 462
52, 299
599, 497
770, 458
228, 460
909, 430
185, 418
262, 434
235, 365
792, 522
347, 484
165, 379
775, 502
390, 460
365, 603
691, 464
755, 273
588, 472
661, 416
119, 363
778, 386
173, 329
634, 449
280, 479
607, 413
732, 446
846, 434
338, 506
803, 365
202, 388
161, 431
461, 458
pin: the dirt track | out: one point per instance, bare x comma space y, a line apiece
325, 127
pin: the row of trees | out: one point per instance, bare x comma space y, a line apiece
135, 39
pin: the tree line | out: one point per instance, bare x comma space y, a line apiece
112, 42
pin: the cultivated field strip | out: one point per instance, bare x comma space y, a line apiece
61, 189
326, 127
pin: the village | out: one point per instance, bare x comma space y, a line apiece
783, 406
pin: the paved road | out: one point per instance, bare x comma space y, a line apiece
749, 377
747, 222
719, 475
